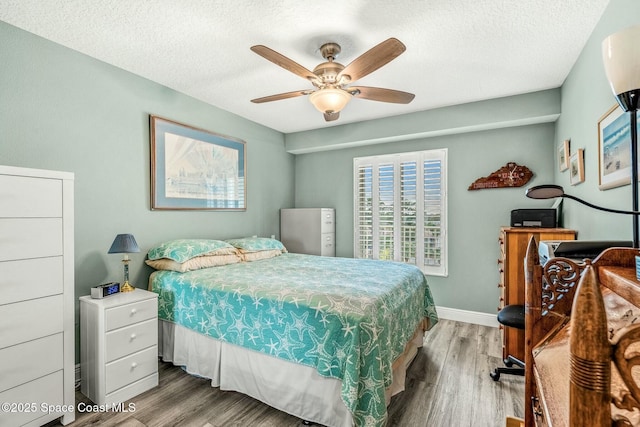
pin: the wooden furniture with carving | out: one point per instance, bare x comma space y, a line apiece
513, 247
582, 340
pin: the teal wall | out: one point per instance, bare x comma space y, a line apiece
62, 110
325, 178
586, 96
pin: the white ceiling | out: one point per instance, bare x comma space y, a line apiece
458, 51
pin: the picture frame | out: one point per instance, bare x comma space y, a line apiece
614, 149
564, 154
576, 167
195, 169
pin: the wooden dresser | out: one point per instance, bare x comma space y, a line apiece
37, 355
513, 247
583, 337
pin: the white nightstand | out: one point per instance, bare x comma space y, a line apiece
118, 346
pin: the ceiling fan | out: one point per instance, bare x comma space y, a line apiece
331, 79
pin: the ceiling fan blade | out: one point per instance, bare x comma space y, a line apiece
280, 96
329, 117
284, 62
381, 94
373, 59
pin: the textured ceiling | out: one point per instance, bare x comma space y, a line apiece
458, 51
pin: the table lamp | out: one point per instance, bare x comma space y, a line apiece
125, 244
550, 191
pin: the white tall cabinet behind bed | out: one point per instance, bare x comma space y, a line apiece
309, 230
37, 355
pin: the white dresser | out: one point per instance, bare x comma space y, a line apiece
37, 354
309, 230
118, 346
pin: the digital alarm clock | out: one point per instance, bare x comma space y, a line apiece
105, 290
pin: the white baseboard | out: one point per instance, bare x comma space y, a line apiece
475, 317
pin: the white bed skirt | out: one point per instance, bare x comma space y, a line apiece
295, 389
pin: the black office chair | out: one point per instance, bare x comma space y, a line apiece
511, 316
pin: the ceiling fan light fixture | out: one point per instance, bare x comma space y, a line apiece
330, 100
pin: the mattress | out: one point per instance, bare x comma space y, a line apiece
348, 319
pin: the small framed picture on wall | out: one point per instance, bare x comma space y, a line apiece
563, 155
576, 167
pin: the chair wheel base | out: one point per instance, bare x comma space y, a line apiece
495, 375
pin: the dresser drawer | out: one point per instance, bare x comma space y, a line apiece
47, 390
30, 278
30, 197
25, 362
25, 321
131, 368
131, 339
327, 221
328, 244
22, 238
128, 314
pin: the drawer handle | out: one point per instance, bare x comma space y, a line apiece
134, 365
133, 337
133, 311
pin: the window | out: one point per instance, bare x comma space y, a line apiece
401, 210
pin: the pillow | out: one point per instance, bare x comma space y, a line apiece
182, 250
255, 244
196, 263
258, 255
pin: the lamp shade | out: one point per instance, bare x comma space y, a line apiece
621, 57
124, 244
548, 191
330, 100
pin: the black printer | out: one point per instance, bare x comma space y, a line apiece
545, 218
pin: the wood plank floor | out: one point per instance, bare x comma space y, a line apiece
448, 385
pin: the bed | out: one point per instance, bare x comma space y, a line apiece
325, 339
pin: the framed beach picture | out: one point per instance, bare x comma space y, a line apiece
614, 149
196, 169
576, 167
563, 155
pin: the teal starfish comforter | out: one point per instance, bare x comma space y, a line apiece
347, 318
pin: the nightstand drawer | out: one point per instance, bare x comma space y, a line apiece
131, 339
131, 368
129, 314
